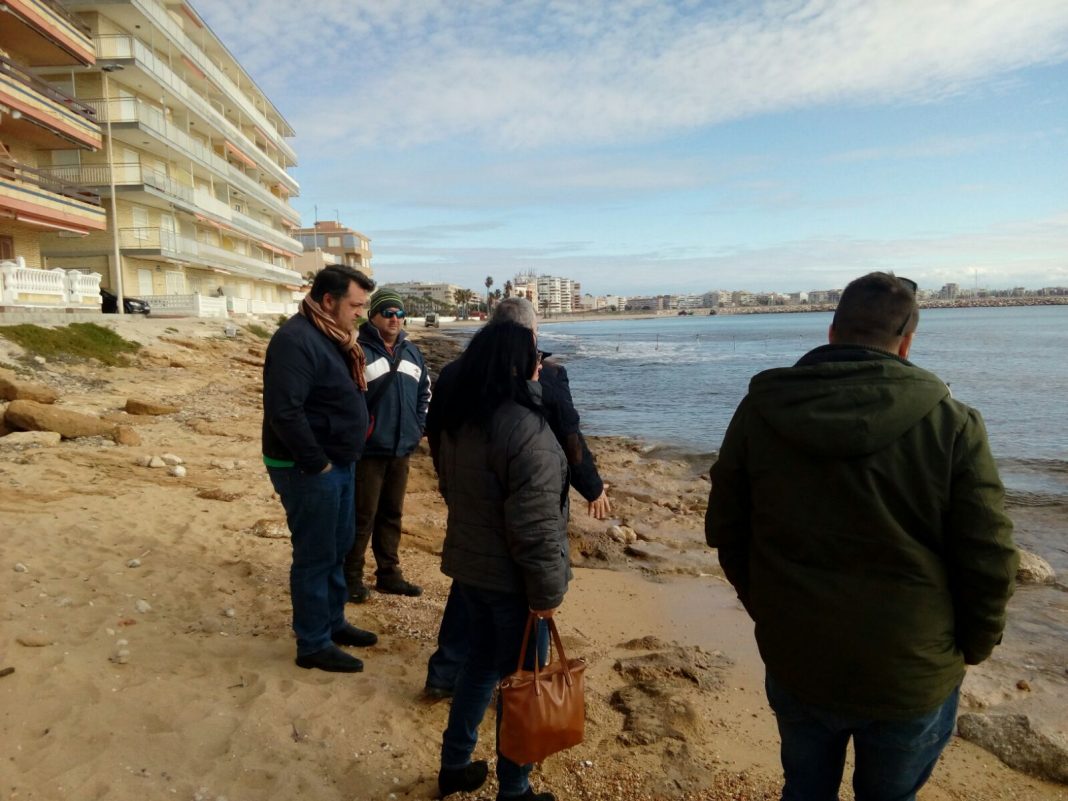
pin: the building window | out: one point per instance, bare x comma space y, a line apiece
333, 241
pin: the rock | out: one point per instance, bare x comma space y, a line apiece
124, 435
218, 495
143, 461
1034, 569
142, 606
11, 389
628, 534
688, 664
223, 464
121, 656
134, 563
34, 640
1019, 742
21, 568
141, 406
177, 471
40, 359
171, 459
1023, 684
230, 612
269, 529
32, 416
37, 439
155, 461
615, 533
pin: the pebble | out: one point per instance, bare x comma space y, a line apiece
40, 359
1023, 684
64, 601
229, 612
21, 568
155, 461
142, 606
143, 461
34, 640
121, 656
223, 464
177, 471
171, 459
134, 563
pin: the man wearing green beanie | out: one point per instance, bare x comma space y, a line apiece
398, 394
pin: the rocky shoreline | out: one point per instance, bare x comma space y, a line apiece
147, 619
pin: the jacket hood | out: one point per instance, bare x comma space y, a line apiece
368, 334
844, 400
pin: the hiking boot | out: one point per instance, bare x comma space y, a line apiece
437, 693
395, 585
462, 780
358, 593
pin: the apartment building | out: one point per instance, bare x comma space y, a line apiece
349, 247
197, 180
440, 293
36, 120
550, 294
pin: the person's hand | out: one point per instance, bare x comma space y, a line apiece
544, 613
601, 508
327, 469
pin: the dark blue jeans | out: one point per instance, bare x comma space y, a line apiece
495, 624
894, 759
444, 665
321, 513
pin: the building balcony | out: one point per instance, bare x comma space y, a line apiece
128, 48
133, 113
172, 246
38, 199
42, 115
131, 177
47, 34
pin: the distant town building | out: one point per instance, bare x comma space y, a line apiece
949, 291
349, 247
651, 303
550, 294
440, 293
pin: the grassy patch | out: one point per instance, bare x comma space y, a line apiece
258, 330
75, 342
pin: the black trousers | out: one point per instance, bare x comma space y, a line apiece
381, 482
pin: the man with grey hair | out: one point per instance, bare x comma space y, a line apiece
563, 419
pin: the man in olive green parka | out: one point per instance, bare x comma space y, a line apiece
859, 515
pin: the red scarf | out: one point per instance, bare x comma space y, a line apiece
345, 338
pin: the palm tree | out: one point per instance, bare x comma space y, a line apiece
489, 283
462, 298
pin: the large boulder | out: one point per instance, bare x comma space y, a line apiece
1034, 569
12, 389
29, 415
1020, 742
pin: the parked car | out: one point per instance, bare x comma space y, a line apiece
109, 304
431, 320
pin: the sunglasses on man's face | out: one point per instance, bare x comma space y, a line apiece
389, 314
913, 286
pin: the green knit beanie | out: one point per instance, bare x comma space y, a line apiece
384, 299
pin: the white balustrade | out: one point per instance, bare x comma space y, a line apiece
54, 288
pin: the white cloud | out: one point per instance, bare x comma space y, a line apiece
523, 74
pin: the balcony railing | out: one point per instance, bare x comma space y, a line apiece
132, 109
14, 172
122, 46
171, 243
126, 174
19, 74
69, 18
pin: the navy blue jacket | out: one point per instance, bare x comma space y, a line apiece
313, 412
397, 405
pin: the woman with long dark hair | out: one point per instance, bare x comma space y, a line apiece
504, 479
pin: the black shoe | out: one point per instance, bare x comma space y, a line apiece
462, 780
437, 693
331, 659
358, 593
395, 585
529, 795
350, 635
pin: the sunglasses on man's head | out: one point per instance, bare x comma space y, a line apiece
389, 314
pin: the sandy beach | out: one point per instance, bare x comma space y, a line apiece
147, 619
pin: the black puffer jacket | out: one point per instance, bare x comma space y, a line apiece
506, 490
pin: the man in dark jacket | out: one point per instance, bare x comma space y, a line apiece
563, 420
859, 514
398, 394
314, 424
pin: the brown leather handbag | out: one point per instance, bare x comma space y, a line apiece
542, 710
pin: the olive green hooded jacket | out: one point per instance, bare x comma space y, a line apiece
858, 512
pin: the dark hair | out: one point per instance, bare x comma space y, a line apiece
875, 310
492, 371
335, 279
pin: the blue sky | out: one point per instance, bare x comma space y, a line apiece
684, 146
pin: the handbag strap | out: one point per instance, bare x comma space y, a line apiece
555, 641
